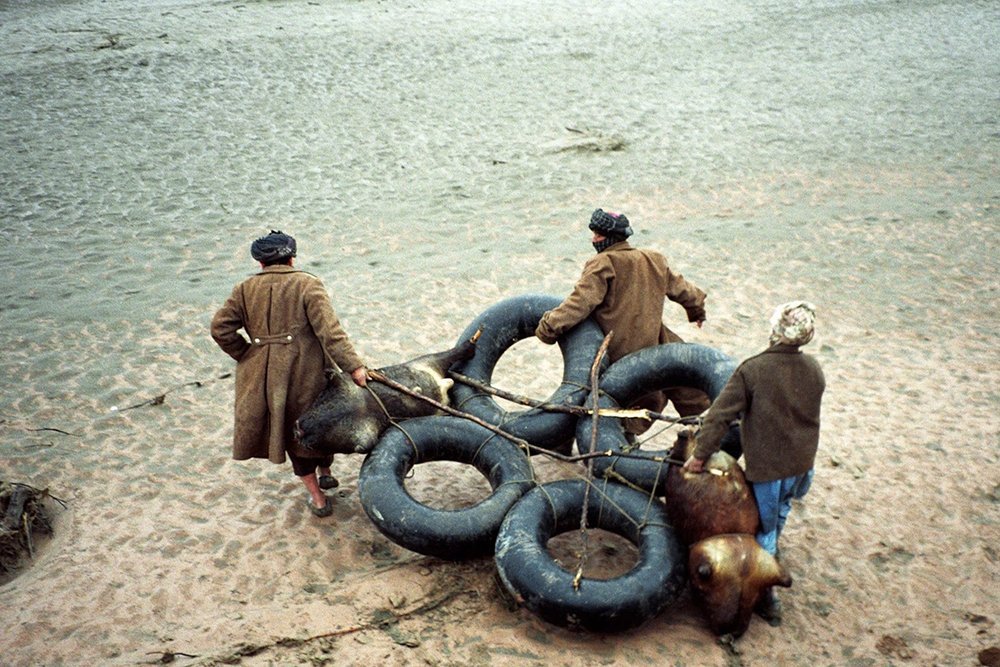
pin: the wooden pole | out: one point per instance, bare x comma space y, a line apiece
595, 396
377, 376
579, 410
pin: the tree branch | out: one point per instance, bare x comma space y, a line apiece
578, 410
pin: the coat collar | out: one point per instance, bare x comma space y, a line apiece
278, 268
783, 348
621, 245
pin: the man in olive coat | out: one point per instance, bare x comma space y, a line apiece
777, 393
624, 289
294, 334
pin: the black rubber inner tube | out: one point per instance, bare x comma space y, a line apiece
502, 325
637, 374
450, 534
530, 574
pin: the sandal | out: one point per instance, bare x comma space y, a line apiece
328, 482
325, 510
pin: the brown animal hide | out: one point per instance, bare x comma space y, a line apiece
709, 503
729, 573
346, 419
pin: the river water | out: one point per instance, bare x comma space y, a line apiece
442, 155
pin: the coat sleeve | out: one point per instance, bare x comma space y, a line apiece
226, 325
687, 295
727, 407
326, 325
587, 295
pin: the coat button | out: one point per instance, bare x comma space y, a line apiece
289, 339
257, 341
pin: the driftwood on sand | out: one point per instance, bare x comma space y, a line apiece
24, 516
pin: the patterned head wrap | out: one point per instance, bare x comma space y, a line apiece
793, 323
274, 248
613, 226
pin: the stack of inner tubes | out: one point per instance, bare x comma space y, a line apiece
635, 375
448, 534
530, 574
518, 518
501, 326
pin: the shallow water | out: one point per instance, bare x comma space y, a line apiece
435, 157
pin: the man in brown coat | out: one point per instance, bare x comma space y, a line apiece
293, 335
777, 394
624, 289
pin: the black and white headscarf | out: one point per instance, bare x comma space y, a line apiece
614, 227
274, 248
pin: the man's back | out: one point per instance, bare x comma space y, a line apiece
632, 306
624, 288
781, 424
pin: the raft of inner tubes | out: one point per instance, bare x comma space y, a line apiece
515, 522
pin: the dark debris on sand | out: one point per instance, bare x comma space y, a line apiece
22, 516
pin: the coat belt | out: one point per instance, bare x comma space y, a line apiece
274, 339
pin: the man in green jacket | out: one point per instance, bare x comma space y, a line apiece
777, 396
293, 335
624, 289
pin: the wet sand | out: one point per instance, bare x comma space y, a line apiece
846, 154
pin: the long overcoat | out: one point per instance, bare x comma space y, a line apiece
625, 288
292, 335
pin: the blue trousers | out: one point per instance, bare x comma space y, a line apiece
774, 502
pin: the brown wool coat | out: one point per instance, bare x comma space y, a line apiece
294, 334
624, 288
778, 394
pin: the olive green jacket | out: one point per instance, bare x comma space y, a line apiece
778, 394
624, 288
293, 335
